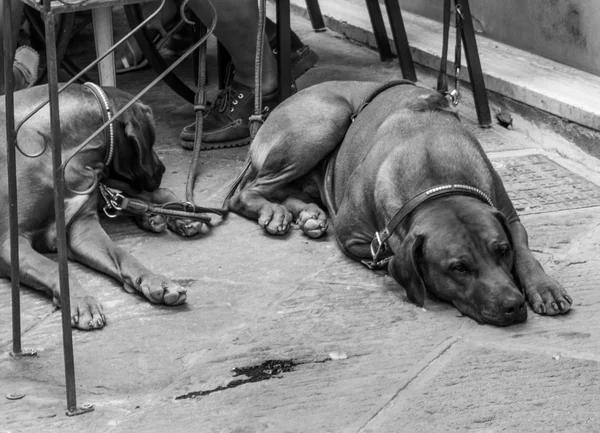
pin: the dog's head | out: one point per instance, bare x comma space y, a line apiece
134, 161
460, 250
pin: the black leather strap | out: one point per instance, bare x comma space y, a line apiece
378, 244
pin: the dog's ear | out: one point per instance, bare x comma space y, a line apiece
135, 162
504, 223
502, 219
405, 268
140, 131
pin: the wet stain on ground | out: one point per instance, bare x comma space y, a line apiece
255, 373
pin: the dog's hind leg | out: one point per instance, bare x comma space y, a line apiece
41, 273
294, 140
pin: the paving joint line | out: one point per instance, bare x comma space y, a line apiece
412, 374
536, 350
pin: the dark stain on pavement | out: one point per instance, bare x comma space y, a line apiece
255, 373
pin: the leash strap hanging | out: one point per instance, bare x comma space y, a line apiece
455, 95
200, 108
442, 83
257, 119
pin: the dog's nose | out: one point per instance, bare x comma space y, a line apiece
514, 307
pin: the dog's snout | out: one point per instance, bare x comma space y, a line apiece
514, 307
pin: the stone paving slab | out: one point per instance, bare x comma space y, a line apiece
482, 389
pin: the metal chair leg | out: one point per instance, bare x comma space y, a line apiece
400, 40
474, 66
315, 15
284, 64
134, 15
59, 210
381, 39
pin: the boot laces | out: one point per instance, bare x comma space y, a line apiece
225, 98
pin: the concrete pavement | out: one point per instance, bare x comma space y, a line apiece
348, 352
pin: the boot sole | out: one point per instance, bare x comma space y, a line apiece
189, 145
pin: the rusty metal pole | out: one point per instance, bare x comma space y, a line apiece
59, 209
11, 171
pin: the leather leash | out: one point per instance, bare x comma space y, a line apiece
114, 200
442, 82
200, 109
257, 119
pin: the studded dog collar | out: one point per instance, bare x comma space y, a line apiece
378, 244
106, 117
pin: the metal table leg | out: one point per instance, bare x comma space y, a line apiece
482, 106
315, 15
284, 70
400, 40
103, 36
381, 39
135, 18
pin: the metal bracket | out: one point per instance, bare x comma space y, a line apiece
23, 353
84, 408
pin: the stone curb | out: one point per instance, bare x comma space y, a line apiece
524, 77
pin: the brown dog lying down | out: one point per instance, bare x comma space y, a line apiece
134, 168
409, 187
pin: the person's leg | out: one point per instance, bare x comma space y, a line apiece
226, 122
237, 26
17, 13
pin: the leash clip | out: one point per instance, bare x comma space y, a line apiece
454, 96
113, 200
110, 211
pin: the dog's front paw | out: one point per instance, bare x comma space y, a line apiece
187, 227
86, 312
312, 221
160, 290
275, 219
547, 296
151, 222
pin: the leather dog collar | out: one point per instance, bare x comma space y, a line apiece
378, 244
106, 117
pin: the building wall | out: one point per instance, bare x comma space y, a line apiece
566, 31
